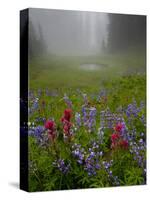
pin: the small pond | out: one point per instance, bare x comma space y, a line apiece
91, 67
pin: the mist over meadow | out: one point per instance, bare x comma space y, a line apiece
87, 100
80, 33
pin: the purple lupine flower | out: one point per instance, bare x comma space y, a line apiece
67, 101
92, 161
143, 120
101, 94
62, 166
38, 131
107, 167
85, 99
78, 119
109, 119
142, 105
39, 134
89, 159
40, 119
34, 106
92, 164
137, 149
85, 116
89, 118
92, 118
116, 180
78, 153
102, 120
133, 110
97, 166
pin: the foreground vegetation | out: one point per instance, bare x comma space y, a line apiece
87, 129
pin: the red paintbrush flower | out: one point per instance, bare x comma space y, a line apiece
115, 137
118, 127
67, 125
68, 114
51, 127
51, 135
49, 124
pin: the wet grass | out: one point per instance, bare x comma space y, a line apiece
65, 72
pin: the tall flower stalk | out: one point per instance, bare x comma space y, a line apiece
89, 118
67, 124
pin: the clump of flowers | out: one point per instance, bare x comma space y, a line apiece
137, 149
39, 133
79, 153
108, 119
67, 124
118, 139
62, 166
133, 111
107, 167
50, 126
89, 118
90, 159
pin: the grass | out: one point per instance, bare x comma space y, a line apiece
124, 80
64, 72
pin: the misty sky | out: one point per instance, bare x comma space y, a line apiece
70, 32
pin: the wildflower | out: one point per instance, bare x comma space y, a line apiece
118, 127
78, 119
67, 115
38, 131
78, 153
90, 159
115, 137
67, 124
51, 129
49, 124
67, 101
62, 166
137, 149
141, 141
89, 118
67, 127
40, 119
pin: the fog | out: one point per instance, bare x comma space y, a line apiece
77, 47
69, 32
83, 33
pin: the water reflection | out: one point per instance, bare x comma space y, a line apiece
91, 67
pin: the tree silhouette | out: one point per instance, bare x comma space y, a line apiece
37, 44
126, 31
